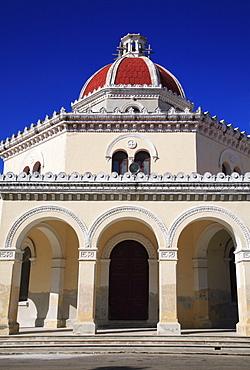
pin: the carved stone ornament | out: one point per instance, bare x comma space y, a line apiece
131, 144
87, 255
221, 211
121, 209
48, 208
10, 255
170, 255
242, 256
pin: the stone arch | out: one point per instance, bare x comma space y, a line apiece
228, 155
150, 219
131, 104
127, 236
31, 158
29, 219
204, 239
53, 237
153, 154
236, 228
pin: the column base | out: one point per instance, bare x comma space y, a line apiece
84, 328
54, 324
12, 328
168, 328
243, 329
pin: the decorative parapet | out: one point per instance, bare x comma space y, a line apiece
117, 121
127, 187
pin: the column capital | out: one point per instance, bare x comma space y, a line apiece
7, 254
168, 254
242, 256
87, 254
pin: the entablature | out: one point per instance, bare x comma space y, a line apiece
117, 121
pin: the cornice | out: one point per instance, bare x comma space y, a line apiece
127, 187
101, 122
125, 92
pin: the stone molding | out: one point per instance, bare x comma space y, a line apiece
88, 177
214, 209
87, 255
171, 121
135, 209
127, 187
168, 255
129, 236
41, 209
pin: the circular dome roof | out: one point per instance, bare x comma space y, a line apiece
132, 67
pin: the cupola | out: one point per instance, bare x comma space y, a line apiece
133, 73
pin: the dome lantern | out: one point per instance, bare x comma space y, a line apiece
133, 44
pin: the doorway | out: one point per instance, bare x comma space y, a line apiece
128, 282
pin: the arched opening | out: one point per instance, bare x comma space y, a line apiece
25, 275
128, 282
206, 277
120, 162
37, 167
26, 170
237, 169
226, 168
143, 159
48, 286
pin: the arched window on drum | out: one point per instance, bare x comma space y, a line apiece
143, 159
37, 167
120, 162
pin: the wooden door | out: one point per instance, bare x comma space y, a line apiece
128, 282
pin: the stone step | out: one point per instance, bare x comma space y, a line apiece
123, 344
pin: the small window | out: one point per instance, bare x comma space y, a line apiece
237, 169
37, 167
143, 159
134, 109
226, 168
120, 162
232, 269
27, 170
25, 275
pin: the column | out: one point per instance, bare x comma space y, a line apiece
201, 293
153, 292
104, 292
242, 260
54, 318
10, 275
168, 322
85, 320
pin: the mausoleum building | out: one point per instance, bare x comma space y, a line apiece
130, 210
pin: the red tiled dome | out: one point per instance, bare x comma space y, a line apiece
132, 71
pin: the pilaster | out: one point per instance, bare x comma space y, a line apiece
168, 322
10, 274
85, 320
201, 293
242, 260
54, 316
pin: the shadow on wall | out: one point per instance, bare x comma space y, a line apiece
33, 312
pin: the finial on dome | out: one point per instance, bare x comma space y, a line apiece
133, 44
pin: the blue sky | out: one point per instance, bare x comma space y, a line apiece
49, 48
